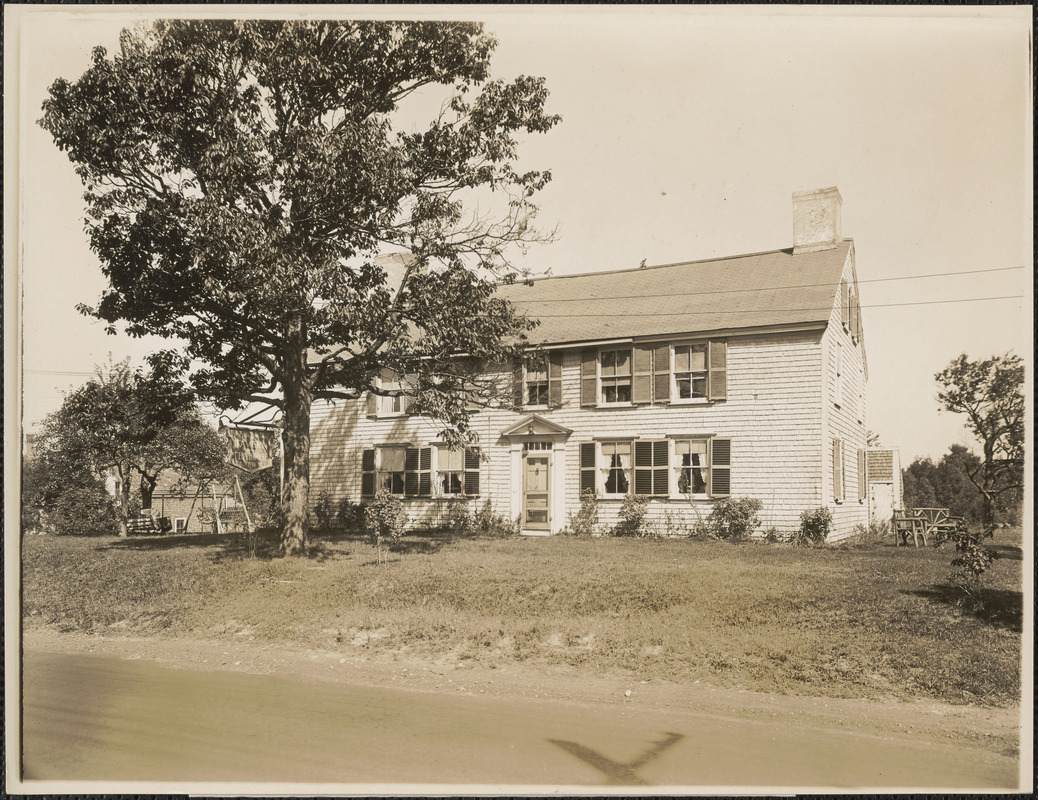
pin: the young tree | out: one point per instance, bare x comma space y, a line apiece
130, 424
990, 394
243, 178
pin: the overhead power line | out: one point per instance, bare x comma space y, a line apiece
768, 310
759, 288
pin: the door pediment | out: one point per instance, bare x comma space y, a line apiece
533, 425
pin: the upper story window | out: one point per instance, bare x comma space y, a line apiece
395, 401
616, 376
537, 381
690, 373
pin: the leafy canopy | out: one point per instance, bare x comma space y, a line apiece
244, 176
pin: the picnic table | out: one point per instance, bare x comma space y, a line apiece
918, 522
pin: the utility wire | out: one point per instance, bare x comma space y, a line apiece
755, 288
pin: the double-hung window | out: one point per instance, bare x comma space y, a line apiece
399, 469
693, 457
536, 381
616, 376
457, 471
391, 469
616, 461
690, 372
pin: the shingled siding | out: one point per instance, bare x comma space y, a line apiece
844, 420
772, 416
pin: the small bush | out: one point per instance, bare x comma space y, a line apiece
350, 515
585, 521
384, 519
486, 523
735, 517
458, 520
815, 526
973, 561
863, 536
324, 512
632, 516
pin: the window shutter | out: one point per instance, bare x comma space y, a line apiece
837, 469
861, 476
660, 471
661, 374
367, 478
555, 379
858, 328
589, 377
471, 473
425, 472
844, 302
642, 467
517, 385
854, 317
718, 371
720, 467
411, 471
587, 467
372, 405
641, 375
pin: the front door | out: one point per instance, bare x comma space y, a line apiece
536, 491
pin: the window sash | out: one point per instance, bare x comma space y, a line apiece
616, 466
692, 457
615, 376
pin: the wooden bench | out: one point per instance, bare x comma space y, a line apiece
939, 522
142, 525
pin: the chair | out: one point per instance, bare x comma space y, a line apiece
906, 522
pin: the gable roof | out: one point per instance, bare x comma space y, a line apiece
775, 288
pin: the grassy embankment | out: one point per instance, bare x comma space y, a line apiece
869, 622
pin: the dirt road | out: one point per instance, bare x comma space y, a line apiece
129, 713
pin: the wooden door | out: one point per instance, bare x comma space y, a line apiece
537, 491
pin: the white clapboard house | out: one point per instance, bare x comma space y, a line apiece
686, 383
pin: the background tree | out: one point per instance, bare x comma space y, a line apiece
244, 176
990, 394
132, 425
63, 494
945, 484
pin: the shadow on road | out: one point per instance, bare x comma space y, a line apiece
619, 774
1001, 608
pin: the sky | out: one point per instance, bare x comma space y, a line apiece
685, 133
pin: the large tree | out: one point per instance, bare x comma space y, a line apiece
132, 425
990, 394
243, 178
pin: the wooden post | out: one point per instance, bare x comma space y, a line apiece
216, 509
248, 519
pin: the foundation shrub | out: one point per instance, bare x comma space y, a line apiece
585, 521
735, 518
815, 525
632, 516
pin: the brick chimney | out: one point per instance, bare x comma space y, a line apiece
816, 220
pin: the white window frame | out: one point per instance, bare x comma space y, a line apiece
675, 399
527, 382
381, 472
177, 521
604, 466
602, 378
679, 468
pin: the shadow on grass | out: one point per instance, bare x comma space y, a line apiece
184, 540
1002, 608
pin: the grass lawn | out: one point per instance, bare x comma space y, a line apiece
872, 621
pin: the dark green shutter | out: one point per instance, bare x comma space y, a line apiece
845, 312
425, 472
718, 371
587, 467
555, 378
641, 375
411, 471
367, 478
720, 467
517, 385
589, 378
643, 467
472, 472
660, 467
837, 469
861, 476
661, 374
372, 405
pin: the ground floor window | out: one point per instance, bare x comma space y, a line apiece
692, 456
457, 471
616, 457
408, 471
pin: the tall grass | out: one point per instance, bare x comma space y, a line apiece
874, 621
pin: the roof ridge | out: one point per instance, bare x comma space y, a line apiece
672, 264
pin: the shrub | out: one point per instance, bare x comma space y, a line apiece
350, 515
324, 512
973, 561
866, 535
384, 520
814, 527
458, 520
585, 521
735, 517
632, 516
486, 523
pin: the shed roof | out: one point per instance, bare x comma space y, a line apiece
774, 288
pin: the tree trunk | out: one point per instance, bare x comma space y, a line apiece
298, 399
147, 490
124, 501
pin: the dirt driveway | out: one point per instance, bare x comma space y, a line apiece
123, 709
